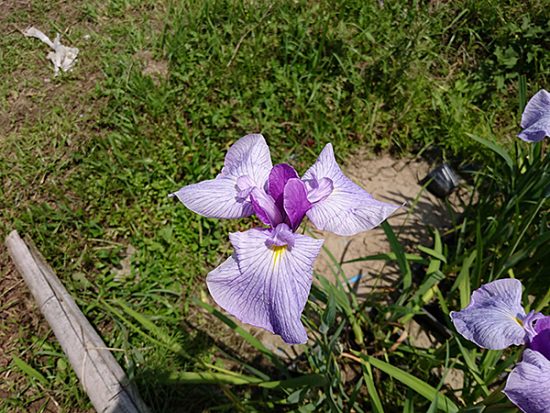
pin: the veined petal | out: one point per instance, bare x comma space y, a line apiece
348, 209
267, 286
494, 318
215, 198
536, 117
248, 156
247, 165
528, 385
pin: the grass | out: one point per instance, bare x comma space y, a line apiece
162, 89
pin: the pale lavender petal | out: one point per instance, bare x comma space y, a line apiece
248, 156
215, 198
536, 118
494, 318
267, 286
348, 209
528, 385
280, 236
296, 203
278, 177
247, 165
318, 190
265, 208
541, 341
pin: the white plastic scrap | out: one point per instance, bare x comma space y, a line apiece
62, 56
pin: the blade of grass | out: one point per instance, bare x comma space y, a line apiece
414, 383
400, 256
29, 370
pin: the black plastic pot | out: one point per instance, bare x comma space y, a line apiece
441, 181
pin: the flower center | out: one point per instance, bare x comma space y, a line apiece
278, 251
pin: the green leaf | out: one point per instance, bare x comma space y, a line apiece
29, 370
390, 256
397, 248
496, 148
376, 403
433, 253
419, 386
236, 379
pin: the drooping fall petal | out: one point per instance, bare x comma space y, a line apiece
528, 385
267, 284
494, 318
535, 120
247, 165
348, 209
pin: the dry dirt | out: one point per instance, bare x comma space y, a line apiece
397, 182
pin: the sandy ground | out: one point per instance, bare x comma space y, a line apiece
397, 182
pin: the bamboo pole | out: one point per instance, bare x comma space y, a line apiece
99, 373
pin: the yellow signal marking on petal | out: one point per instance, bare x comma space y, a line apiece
518, 321
277, 253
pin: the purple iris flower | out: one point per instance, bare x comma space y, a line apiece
495, 319
266, 281
535, 120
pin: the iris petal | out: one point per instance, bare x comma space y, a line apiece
267, 286
535, 120
278, 177
247, 161
494, 318
349, 209
541, 341
296, 203
529, 382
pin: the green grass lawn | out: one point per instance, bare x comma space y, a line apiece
160, 91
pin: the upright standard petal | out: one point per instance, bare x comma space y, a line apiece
295, 202
494, 318
528, 385
278, 177
348, 209
535, 120
247, 165
267, 284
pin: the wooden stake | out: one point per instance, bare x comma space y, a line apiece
99, 373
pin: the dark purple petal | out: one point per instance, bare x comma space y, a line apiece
278, 177
348, 209
535, 120
528, 385
542, 324
247, 164
296, 203
265, 208
494, 318
541, 341
267, 286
